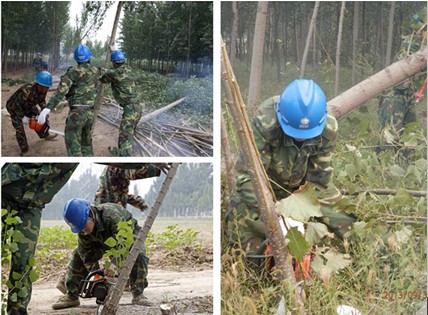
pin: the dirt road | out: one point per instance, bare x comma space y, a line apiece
189, 291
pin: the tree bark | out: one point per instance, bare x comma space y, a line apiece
355, 41
338, 48
377, 83
234, 33
100, 94
115, 292
257, 56
390, 31
259, 180
308, 39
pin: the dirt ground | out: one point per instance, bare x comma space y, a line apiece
104, 135
189, 291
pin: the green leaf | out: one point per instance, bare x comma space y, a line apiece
11, 220
351, 171
315, 232
111, 242
16, 275
301, 205
23, 292
336, 261
33, 276
297, 246
403, 235
17, 236
13, 297
13, 247
397, 171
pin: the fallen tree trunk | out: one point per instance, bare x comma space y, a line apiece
161, 110
262, 189
414, 193
116, 291
396, 73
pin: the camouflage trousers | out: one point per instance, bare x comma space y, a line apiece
130, 118
22, 261
78, 132
245, 228
77, 271
397, 111
21, 137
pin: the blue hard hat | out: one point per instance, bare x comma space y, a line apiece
76, 213
117, 56
82, 53
302, 109
44, 78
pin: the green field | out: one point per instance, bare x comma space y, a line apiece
202, 225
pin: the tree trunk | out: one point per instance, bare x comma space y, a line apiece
189, 36
257, 56
377, 83
227, 164
355, 41
308, 39
390, 31
338, 48
234, 33
115, 293
100, 94
259, 180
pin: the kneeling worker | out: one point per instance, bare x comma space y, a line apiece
95, 224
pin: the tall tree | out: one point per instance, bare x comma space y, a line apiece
390, 33
338, 49
234, 32
355, 29
257, 56
308, 39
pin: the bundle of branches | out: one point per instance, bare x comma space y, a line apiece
161, 137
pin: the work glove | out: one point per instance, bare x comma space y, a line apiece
25, 120
164, 167
42, 117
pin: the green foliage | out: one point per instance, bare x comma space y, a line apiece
172, 238
10, 238
120, 245
199, 93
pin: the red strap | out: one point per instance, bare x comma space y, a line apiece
420, 93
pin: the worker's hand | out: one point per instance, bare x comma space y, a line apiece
109, 272
42, 117
111, 47
25, 120
164, 167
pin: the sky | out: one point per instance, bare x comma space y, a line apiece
105, 30
142, 184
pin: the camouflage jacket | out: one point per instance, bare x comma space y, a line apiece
38, 63
79, 85
91, 247
287, 164
122, 84
114, 185
26, 185
25, 100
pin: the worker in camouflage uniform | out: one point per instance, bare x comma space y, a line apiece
114, 185
295, 138
123, 87
26, 189
95, 224
37, 64
22, 106
397, 105
79, 86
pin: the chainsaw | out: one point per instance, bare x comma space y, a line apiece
42, 129
97, 285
